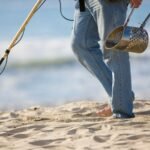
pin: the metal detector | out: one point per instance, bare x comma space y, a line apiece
21, 30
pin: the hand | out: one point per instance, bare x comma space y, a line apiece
135, 3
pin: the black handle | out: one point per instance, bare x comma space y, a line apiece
1, 61
82, 5
6, 55
145, 21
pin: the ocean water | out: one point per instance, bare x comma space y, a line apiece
42, 69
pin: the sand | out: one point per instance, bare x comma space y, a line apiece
74, 126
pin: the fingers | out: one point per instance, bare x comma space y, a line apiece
135, 3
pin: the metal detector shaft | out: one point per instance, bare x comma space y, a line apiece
34, 9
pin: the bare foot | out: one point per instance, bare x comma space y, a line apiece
105, 112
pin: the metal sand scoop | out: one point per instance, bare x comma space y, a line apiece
128, 38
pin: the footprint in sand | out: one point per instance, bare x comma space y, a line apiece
48, 131
73, 131
20, 130
121, 143
21, 136
101, 138
46, 142
88, 128
60, 127
14, 115
3, 146
123, 137
136, 137
14, 131
41, 142
89, 125
147, 112
36, 127
4, 118
87, 148
56, 147
107, 127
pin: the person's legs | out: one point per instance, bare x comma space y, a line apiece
108, 16
102, 17
87, 49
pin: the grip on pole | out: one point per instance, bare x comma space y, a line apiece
5, 56
1, 61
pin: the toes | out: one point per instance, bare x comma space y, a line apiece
104, 112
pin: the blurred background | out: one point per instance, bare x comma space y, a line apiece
42, 69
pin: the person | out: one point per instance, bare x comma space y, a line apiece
110, 67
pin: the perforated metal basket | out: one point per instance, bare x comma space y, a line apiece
130, 39
127, 38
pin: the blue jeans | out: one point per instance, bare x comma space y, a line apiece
111, 68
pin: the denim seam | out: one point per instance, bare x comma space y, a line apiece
120, 75
86, 47
94, 56
109, 81
120, 84
85, 42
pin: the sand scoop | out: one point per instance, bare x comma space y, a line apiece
21, 30
128, 38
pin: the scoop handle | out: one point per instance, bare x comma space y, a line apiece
128, 19
145, 21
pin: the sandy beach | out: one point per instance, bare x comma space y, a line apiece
74, 126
